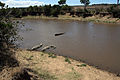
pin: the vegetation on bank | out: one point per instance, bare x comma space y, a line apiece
96, 19
62, 9
8, 36
44, 67
9, 66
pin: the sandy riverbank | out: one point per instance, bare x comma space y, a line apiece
51, 67
96, 19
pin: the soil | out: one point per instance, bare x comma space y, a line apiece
47, 66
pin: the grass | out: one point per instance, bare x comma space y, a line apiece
42, 54
44, 75
46, 68
67, 17
30, 57
52, 55
67, 60
72, 75
82, 65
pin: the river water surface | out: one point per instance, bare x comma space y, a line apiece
96, 44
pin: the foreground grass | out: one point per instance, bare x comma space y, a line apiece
46, 67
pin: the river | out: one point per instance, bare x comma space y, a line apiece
96, 44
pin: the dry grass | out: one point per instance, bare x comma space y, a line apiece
48, 68
97, 18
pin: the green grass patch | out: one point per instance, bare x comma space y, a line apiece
30, 57
72, 76
67, 60
44, 75
42, 54
82, 65
52, 55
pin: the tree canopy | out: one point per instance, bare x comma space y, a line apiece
85, 2
61, 2
2, 4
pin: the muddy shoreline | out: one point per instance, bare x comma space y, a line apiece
51, 64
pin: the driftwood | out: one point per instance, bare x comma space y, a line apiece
37, 47
48, 47
58, 34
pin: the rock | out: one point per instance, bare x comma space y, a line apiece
37, 47
45, 48
58, 34
52, 46
48, 47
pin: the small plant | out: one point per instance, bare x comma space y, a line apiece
52, 55
82, 65
42, 54
44, 75
67, 60
30, 58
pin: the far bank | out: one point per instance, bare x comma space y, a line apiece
96, 19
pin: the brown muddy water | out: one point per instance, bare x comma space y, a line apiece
96, 44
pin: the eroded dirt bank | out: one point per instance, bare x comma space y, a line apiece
51, 67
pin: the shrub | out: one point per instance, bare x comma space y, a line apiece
8, 36
82, 65
67, 60
115, 11
52, 55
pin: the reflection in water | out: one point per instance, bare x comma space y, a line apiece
97, 44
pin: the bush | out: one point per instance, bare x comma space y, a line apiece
47, 10
65, 9
8, 36
55, 10
67, 60
114, 10
52, 55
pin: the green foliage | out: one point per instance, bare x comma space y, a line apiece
8, 33
82, 65
2, 4
8, 29
115, 11
30, 57
44, 75
52, 55
61, 2
55, 10
47, 10
8, 36
17, 13
65, 8
85, 2
67, 60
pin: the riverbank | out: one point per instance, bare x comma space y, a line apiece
96, 19
52, 67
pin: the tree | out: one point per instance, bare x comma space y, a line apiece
47, 10
61, 2
85, 2
117, 1
65, 8
55, 10
8, 29
2, 4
